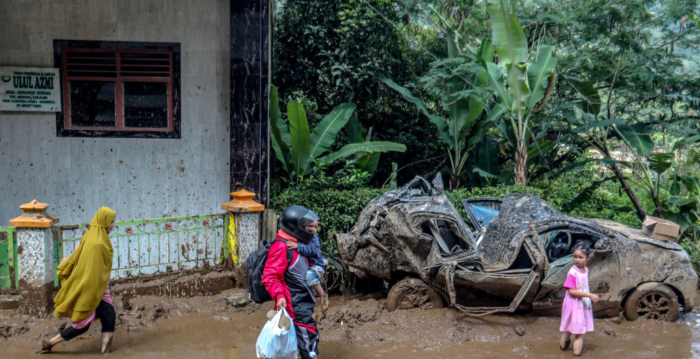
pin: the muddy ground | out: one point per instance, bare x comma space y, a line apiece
352, 328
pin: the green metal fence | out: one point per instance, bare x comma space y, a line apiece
9, 276
155, 246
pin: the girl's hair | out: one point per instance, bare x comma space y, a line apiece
584, 247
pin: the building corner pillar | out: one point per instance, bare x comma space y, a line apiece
35, 258
243, 231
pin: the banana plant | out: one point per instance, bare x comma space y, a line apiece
525, 86
466, 122
296, 147
366, 161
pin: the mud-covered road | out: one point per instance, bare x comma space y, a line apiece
356, 328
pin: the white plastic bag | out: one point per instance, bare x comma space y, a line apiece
587, 301
275, 342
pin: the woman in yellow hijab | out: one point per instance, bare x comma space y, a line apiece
84, 294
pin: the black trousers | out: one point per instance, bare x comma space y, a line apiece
105, 312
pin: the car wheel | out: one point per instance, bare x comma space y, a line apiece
652, 301
412, 293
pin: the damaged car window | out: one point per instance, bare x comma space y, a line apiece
446, 234
558, 243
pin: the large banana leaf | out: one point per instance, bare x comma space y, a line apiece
301, 138
496, 84
326, 131
508, 36
488, 156
459, 110
355, 130
492, 116
369, 146
486, 51
590, 102
538, 73
636, 140
369, 162
279, 142
440, 122
517, 82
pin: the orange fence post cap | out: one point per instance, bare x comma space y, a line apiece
34, 216
243, 202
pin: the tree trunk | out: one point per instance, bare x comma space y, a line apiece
641, 213
454, 182
521, 162
657, 207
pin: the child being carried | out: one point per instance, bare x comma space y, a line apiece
317, 262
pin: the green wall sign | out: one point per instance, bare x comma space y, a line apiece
30, 89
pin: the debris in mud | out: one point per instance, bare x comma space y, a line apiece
616, 319
352, 312
519, 330
610, 331
237, 300
12, 329
221, 318
158, 312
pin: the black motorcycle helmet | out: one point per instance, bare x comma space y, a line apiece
294, 219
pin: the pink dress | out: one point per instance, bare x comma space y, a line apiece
83, 323
575, 317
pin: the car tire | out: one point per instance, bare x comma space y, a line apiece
652, 301
412, 293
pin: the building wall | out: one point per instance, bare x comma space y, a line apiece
139, 178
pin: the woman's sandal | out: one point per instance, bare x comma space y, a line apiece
46, 347
566, 345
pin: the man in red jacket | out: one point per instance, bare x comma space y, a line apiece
287, 284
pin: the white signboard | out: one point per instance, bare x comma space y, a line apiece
30, 89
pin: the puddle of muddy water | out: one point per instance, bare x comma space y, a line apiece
196, 328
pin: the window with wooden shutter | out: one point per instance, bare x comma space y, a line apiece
119, 88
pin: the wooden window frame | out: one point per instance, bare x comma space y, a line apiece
63, 124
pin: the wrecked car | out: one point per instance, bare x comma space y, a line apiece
511, 254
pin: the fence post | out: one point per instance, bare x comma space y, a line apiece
243, 225
35, 258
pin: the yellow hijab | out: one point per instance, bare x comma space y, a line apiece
84, 275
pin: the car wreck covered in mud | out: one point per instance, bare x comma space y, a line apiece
514, 255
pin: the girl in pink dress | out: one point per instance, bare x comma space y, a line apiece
577, 310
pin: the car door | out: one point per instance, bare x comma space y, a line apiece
603, 278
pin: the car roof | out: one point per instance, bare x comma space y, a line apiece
518, 212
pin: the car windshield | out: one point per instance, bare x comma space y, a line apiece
484, 215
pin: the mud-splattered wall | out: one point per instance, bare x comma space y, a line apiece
139, 178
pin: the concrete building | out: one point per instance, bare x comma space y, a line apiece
164, 106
